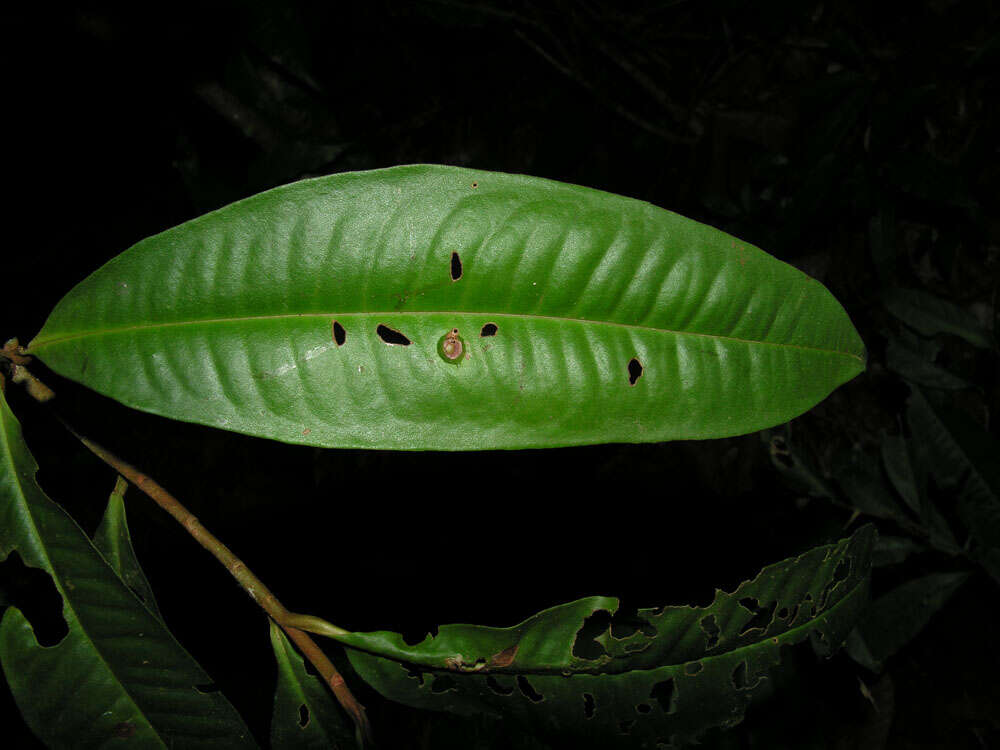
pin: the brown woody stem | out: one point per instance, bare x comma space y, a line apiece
292, 623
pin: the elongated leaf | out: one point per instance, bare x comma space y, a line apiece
929, 314
896, 618
114, 542
324, 312
118, 674
963, 458
582, 671
306, 714
892, 550
916, 368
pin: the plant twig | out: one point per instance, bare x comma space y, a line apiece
292, 623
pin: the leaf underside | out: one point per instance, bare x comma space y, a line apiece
118, 676
581, 317
660, 676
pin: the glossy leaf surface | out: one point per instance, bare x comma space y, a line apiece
661, 675
118, 677
536, 314
114, 542
306, 714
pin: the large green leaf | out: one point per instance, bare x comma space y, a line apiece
582, 670
612, 320
306, 714
118, 674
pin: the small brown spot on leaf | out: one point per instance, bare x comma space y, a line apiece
451, 345
504, 658
490, 329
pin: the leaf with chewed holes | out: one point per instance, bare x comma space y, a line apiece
316, 313
117, 676
593, 673
306, 715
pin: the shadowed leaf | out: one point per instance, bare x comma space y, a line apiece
582, 671
896, 618
929, 315
118, 674
962, 457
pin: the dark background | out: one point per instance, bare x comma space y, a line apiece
855, 140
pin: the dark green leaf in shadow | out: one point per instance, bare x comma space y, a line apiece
917, 368
795, 465
113, 540
962, 456
118, 675
589, 672
929, 314
899, 467
895, 619
860, 477
892, 550
911, 484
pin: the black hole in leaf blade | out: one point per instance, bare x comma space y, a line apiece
663, 693
303, 716
740, 676
643, 708
414, 674
762, 616
339, 334
527, 690
496, 687
456, 267
442, 683
711, 629
391, 336
626, 622
413, 636
584, 646
588, 706
490, 329
32, 591
634, 371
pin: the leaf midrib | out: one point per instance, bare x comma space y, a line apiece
67, 601
814, 622
35, 345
